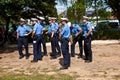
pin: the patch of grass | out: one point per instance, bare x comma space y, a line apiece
1, 70
37, 77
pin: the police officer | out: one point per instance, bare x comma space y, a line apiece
76, 33
22, 35
65, 36
52, 35
87, 39
37, 38
41, 19
57, 36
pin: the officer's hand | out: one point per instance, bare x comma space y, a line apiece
76, 35
71, 42
51, 36
46, 32
17, 37
25, 34
86, 37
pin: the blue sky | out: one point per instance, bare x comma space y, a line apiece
61, 8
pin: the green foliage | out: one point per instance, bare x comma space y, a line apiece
115, 5
76, 11
11, 8
104, 32
104, 14
14, 9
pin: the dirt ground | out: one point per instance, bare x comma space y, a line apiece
105, 65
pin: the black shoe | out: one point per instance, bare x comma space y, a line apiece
45, 55
21, 57
62, 68
27, 57
58, 55
72, 55
88, 61
40, 59
53, 58
79, 57
33, 61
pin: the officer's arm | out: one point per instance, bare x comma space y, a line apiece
88, 34
71, 39
89, 31
78, 33
17, 35
53, 30
33, 33
28, 33
52, 34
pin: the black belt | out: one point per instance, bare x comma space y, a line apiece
38, 35
22, 36
67, 39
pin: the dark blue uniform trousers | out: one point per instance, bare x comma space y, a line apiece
53, 46
44, 44
65, 52
23, 41
58, 46
75, 40
87, 49
37, 48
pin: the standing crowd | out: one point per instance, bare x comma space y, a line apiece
65, 33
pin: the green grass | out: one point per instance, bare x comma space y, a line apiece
37, 77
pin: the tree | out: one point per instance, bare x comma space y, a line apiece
10, 9
40, 7
115, 5
14, 9
76, 11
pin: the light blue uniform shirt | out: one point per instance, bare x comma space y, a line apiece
22, 30
65, 32
51, 28
75, 29
56, 26
38, 29
87, 27
42, 24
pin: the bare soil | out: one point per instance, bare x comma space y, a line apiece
105, 65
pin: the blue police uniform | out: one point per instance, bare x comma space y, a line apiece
74, 30
37, 42
87, 42
44, 41
65, 35
23, 40
57, 38
56, 26
52, 39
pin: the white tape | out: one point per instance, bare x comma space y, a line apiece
34, 41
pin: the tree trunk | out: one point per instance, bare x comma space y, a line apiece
7, 28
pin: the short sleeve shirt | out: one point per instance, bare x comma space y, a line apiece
87, 27
38, 29
23, 29
75, 29
65, 32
